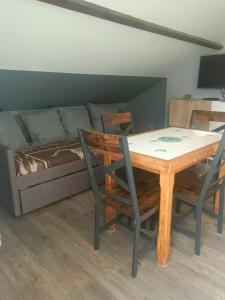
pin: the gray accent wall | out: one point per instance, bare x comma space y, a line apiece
145, 96
21, 90
149, 107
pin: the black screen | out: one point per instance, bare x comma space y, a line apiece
212, 71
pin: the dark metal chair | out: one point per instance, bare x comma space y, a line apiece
202, 120
138, 200
193, 190
121, 123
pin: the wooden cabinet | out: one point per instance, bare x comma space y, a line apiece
181, 110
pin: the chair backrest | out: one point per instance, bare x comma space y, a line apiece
213, 180
207, 120
118, 122
96, 144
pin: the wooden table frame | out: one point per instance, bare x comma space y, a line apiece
167, 170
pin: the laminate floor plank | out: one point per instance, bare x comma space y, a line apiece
48, 254
29, 279
99, 264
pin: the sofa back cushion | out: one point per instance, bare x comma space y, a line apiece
96, 110
11, 135
74, 118
23, 128
44, 126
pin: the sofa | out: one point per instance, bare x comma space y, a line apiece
41, 160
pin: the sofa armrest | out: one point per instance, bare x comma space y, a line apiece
9, 195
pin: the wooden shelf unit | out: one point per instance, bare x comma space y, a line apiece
181, 110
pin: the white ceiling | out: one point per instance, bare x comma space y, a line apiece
39, 36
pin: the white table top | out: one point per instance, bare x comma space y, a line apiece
171, 142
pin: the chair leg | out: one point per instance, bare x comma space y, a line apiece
221, 210
135, 250
152, 223
130, 222
97, 222
143, 225
198, 231
177, 206
195, 214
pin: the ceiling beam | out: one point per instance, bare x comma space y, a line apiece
127, 20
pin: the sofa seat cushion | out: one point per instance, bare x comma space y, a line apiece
39, 158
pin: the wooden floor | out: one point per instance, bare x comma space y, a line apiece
48, 255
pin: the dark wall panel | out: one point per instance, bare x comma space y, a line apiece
29, 90
150, 107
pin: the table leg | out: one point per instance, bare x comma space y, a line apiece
110, 212
216, 203
165, 216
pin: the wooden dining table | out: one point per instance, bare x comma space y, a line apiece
166, 152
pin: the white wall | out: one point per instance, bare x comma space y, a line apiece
183, 79
41, 37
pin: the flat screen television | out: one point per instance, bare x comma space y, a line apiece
212, 71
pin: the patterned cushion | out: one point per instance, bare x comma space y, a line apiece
36, 159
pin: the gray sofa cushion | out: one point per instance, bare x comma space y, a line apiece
10, 133
23, 128
44, 126
74, 118
96, 110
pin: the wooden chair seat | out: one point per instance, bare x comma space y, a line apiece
188, 185
140, 175
148, 194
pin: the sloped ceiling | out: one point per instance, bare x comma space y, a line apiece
203, 18
39, 36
